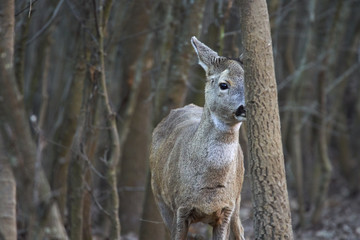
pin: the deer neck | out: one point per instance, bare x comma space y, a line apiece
211, 127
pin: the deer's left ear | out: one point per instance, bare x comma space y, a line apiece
205, 54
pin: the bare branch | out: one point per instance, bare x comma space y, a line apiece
47, 24
32, 2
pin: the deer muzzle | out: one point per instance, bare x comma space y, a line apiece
241, 112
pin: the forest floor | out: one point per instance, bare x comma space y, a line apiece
340, 220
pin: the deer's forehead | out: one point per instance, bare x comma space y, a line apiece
219, 75
229, 75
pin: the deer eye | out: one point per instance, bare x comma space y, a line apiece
223, 86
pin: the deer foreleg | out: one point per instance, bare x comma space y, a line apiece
181, 227
220, 231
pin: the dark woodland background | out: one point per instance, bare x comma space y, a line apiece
75, 143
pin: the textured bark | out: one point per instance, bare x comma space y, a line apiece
8, 229
272, 218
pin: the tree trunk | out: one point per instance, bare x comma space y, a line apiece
272, 218
134, 160
115, 148
76, 183
135, 146
163, 41
324, 161
8, 197
65, 133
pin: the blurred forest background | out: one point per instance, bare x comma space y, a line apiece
83, 83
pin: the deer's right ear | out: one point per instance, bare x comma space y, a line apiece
205, 54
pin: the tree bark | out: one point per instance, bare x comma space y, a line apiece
272, 218
8, 229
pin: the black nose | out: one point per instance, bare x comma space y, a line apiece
241, 111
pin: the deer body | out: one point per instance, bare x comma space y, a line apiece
196, 161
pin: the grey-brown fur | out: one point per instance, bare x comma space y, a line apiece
196, 161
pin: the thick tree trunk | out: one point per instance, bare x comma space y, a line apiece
271, 205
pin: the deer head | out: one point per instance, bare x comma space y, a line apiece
224, 89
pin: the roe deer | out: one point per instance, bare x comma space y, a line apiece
196, 161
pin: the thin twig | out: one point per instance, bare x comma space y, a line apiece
141, 33
30, 8
341, 78
32, 2
149, 221
88, 188
300, 70
338, 80
96, 19
82, 24
91, 166
47, 24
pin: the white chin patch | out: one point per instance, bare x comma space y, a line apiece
240, 118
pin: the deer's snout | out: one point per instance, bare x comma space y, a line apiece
241, 112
